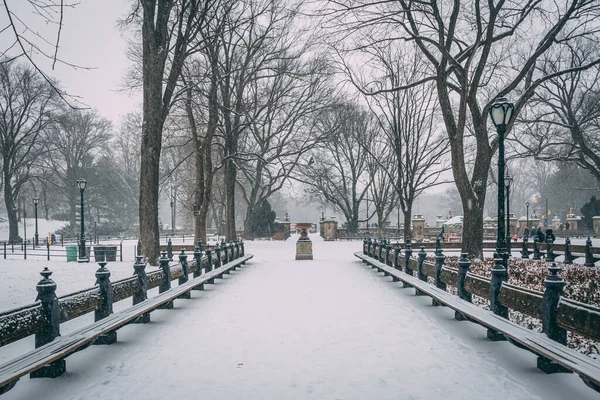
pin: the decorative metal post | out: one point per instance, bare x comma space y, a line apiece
422, 277
106, 307
568, 254
218, 261
464, 265
50, 329
498, 276
139, 247
198, 259
139, 270
508, 181
439, 264
170, 250
81, 183
527, 223
524, 249
407, 254
225, 252
550, 256
396, 263
554, 286
185, 269
589, 257
37, 236
166, 272
536, 251
209, 258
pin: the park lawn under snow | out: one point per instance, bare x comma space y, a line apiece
277, 328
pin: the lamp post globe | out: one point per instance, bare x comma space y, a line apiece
82, 183
35, 207
501, 112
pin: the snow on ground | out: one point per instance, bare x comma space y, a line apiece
277, 328
44, 227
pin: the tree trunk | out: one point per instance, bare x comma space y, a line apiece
230, 176
150, 150
13, 227
407, 223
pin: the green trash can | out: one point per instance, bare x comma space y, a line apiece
71, 253
111, 253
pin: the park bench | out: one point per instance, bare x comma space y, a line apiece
550, 353
51, 356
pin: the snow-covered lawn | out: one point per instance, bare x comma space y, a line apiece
277, 328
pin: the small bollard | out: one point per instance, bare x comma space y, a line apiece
209, 259
389, 262
463, 268
242, 250
589, 257
106, 308
550, 256
568, 255
369, 246
166, 285
554, 285
139, 246
139, 270
536, 251
170, 250
46, 289
365, 251
498, 276
524, 250
184, 278
231, 257
439, 264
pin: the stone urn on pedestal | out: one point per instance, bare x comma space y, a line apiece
304, 245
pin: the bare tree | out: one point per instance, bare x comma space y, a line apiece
563, 117
281, 129
338, 174
476, 52
76, 137
26, 106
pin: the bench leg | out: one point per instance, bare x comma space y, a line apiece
394, 279
211, 281
52, 370
405, 285
495, 336
142, 319
108, 338
7, 387
199, 287
418, 292
166, 306
459, 316
549, 366
186, 295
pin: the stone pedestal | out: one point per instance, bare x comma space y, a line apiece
418, 223
329, 229
574, 222
304, 245
556, 223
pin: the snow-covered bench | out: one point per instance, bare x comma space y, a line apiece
552, 356
48, 360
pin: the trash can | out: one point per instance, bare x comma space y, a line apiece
71, 253
99, 253
111, 253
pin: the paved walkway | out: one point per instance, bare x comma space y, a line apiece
282, 329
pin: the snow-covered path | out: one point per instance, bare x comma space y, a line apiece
282, 329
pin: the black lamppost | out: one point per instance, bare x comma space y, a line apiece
172, 217
37, 237
508, 181
527, 223
501, 113
95, 231
81, 183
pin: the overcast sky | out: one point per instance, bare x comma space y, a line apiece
90, 37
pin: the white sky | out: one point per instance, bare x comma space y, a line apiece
90, 37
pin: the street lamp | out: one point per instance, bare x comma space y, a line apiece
81, 183
172, 217
500, 113
37, 237
508, 181
527, 223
